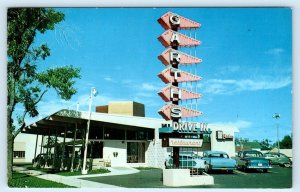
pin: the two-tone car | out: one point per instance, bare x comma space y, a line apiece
194, 163
278, 159
218, 160
252, 159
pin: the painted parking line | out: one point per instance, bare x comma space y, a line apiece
239, 172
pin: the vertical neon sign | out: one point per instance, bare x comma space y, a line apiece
173, 76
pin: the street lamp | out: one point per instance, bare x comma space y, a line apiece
93, 94
277, 116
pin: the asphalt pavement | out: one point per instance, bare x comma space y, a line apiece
277, 177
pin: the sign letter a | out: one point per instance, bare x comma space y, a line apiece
175, 39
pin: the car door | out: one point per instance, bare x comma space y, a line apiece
239, 159
282, 159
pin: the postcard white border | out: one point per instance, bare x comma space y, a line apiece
295, 5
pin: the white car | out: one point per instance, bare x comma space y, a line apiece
194, 163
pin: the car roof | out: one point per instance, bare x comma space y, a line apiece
274, 153
250, 151
214, 152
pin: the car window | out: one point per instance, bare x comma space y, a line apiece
252, 154
282, 155
218, 155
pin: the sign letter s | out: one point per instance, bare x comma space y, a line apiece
176, 112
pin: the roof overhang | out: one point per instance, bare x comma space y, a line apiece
58, 122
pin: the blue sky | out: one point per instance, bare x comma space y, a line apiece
246, 68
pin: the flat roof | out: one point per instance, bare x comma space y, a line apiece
69, 119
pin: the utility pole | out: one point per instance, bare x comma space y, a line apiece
277, 116
93, 94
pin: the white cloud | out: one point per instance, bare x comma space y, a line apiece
150, 87
127, 81
275, 51
108, 79
229, 86
229, 69
237, 125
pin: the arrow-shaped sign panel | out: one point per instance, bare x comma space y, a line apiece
165, 112
172, 93
165, 57
173, 38
183, 23
168, 76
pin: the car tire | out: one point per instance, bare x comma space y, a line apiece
265, 170
244, 169
206, 169
230, 171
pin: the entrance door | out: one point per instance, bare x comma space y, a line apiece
135, 152
97, 150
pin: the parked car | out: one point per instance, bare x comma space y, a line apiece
278, 159
218, 160
252, 159
195, 163
39, 160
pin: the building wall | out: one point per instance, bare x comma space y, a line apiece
20, 147
226, 145
26, 142
138, 109
156, 154
126, 108
109, 147
102, 109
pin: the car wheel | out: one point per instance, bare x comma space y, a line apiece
206, 169
230, 171
244, 168
265, 170
287, 165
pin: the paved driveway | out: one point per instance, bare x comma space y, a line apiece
278, 177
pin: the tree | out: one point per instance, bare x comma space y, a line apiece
25, 83
286, 142
265, 144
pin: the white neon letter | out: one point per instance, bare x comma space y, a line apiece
176, 112
175, 73
175, 92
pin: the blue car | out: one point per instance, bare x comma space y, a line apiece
218, 160
252, 159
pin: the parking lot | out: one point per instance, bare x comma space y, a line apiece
277, 177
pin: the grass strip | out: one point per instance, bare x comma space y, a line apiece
21, 180
68, 173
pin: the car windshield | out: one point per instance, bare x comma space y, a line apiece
252, 154
218, 155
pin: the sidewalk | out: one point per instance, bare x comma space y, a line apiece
75, 180
113, 171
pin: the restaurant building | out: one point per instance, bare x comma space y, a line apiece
119, 135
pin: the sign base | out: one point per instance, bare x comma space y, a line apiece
182, 177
